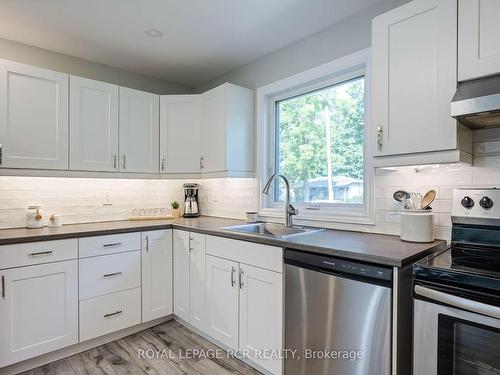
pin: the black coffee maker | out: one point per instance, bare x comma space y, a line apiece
191, 200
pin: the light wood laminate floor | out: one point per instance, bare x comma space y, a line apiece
172, 340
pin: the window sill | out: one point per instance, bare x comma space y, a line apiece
315, 218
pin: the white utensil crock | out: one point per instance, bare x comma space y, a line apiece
417, 226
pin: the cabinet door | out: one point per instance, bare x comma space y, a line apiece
33, 117
261, 314
180, 133
39, 310
478, 38
414, 73
156, 274
93, 122
222, 300
181, 274
139, 131
197, 280
213, 130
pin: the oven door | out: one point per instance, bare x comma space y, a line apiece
454, 335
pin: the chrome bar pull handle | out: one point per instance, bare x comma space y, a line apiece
380, 134
241, 279
124, 164
163, 162
147, 243
233, 270
202, 162
113, 314
40, 253
111, 274
115, 161
3, 286
0, 154
114, 244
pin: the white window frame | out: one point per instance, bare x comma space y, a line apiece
334, 72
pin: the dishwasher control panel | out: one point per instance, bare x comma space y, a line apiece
338, 265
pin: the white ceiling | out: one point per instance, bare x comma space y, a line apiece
202, 40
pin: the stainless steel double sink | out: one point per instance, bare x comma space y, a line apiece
271, 230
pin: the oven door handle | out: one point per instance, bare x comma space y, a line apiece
458, 302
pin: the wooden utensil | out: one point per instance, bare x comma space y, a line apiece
428, 199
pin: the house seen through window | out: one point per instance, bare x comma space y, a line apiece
319, 144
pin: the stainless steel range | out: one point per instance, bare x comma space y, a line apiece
457, 293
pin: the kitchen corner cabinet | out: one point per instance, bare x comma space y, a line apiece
139, 131
189, 277
180, 134
478, 38
93, 122
156, 274
38, 309
414, 76
33, 117
227, 131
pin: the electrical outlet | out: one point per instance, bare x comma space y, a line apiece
107, 200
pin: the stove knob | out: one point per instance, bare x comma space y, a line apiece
486, 202
467, 202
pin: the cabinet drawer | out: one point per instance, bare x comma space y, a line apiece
263, 256
110, 244
109, 273
112, 312
27, 254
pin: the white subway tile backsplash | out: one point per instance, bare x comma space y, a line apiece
80, 200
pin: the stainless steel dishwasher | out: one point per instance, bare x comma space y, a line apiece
337, 316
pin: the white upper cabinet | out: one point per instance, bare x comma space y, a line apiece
156, 274
139, 131
180, 134
478, 38
227, 130
93, 122
33, 117
414, 77
38, 310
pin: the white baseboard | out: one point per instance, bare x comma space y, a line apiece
78, 348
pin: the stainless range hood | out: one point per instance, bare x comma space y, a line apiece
476, 103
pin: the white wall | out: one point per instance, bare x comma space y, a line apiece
343, 38
31, 55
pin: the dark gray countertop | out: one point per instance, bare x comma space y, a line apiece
368, 247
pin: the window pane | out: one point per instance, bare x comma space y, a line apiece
319, 144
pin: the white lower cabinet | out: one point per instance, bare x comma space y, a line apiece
109, 274
122, 280
181, 274
197, 306
109, 313
156, 274
261, 309
245, 302
38, 310
189, 277
222, 300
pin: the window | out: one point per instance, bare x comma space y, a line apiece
319, 144
311, 127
